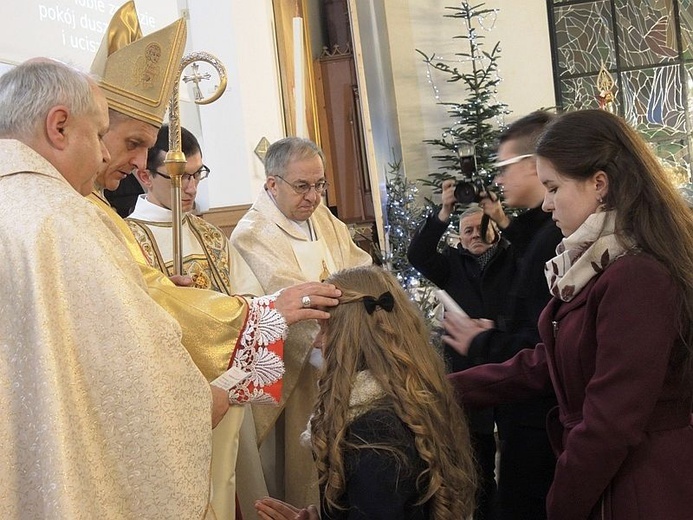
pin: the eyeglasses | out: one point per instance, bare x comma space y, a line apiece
198, 176
513, 160
302, 188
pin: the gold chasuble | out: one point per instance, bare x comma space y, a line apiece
137, 75
206, 256
206, 260
219, 331
211, 322
105, 416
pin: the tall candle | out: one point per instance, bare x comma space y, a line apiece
301, 127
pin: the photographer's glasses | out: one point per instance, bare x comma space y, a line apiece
513, 160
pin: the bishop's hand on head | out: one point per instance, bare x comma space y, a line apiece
304, 301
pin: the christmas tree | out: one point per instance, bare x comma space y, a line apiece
404, 214
478, 119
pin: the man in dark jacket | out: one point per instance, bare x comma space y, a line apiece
477, 274
527, 462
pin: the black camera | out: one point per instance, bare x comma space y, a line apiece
472, 188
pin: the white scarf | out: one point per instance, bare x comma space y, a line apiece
584, 254
365, 390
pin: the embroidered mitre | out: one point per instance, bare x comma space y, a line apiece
137, 73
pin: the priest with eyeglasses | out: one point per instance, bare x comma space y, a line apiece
205, 247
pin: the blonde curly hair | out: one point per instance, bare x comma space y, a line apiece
394, 346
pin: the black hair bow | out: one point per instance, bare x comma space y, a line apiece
386, 302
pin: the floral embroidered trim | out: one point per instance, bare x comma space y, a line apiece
146, 244
260, 352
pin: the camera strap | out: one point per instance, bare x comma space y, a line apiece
485, 221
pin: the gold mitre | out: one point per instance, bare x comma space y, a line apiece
137, 73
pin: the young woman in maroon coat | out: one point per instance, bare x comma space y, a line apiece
618, 334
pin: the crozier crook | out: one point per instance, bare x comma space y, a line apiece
175, 158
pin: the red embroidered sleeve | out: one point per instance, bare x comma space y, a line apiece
259, 354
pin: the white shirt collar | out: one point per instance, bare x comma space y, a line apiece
145, 210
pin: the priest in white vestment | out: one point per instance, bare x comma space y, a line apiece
100, 420
288, 236
206, 256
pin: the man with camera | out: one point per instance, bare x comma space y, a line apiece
526, 462
476, 273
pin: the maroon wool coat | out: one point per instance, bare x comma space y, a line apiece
622, 429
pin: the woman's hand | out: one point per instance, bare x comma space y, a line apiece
460, 330
272, 509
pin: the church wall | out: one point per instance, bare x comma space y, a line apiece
241, 34
524, 66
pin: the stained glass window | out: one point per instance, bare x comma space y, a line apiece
647, 48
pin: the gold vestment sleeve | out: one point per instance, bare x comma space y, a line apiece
211, 322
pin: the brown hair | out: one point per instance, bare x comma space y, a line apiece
525, 132
394, 346
649, 209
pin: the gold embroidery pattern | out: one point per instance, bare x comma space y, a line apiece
146, 244
147, 69
216, 246
200, 273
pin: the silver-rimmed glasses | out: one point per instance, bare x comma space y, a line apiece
301, 188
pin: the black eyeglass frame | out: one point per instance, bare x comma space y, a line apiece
202, 174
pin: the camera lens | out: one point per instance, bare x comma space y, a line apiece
468, 165
467, 192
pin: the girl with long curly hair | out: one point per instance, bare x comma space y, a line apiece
389, 441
